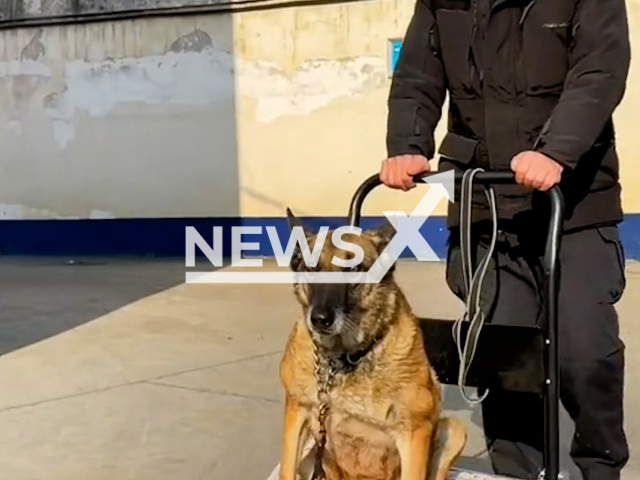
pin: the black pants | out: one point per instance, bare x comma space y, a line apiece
591, 352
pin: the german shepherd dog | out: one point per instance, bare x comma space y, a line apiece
383, 420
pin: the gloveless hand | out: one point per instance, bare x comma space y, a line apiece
398, 172
535, 170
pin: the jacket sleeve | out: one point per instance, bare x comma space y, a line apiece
417, 88
595, 84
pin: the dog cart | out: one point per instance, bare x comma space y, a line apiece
505, 357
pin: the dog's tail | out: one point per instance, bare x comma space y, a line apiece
450, 439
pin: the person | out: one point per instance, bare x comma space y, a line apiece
532, 87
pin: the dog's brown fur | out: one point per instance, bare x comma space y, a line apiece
384, 416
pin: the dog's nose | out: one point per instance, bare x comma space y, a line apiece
322, 320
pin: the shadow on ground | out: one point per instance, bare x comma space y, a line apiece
40, 298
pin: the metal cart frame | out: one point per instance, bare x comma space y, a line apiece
508, 357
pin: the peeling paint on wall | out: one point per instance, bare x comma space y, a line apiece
192, 72
19, 81
175, 78
195, 41
35, 49
312, 86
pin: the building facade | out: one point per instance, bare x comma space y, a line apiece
118, 128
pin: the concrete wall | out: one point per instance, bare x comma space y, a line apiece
127, 119
627, 118
215, 115
312, 90
208, 115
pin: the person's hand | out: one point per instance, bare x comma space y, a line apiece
535, 170
398, 172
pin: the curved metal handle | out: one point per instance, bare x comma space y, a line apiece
557, 205
482, 177
552, 393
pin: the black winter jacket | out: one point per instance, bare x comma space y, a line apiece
520, 75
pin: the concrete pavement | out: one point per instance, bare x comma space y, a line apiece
116, 370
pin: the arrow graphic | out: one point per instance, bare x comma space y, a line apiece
408, 227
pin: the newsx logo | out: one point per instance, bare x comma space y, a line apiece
407, 235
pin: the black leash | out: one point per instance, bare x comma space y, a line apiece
472, 281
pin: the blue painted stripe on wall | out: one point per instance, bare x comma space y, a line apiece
630, 236
166, 236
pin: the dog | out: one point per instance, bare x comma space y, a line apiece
383, 420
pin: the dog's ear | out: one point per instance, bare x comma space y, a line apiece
297, 258
293, 221
382, 235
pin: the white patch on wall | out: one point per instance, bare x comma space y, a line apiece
100, 215
18, 68
310, 87
19, 212
175, 78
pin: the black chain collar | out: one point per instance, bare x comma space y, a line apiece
348, 362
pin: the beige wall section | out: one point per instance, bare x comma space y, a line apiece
627, 119
312, 86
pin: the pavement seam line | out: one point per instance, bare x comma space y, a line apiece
213, 392
135, 382
215, 365
70, 396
